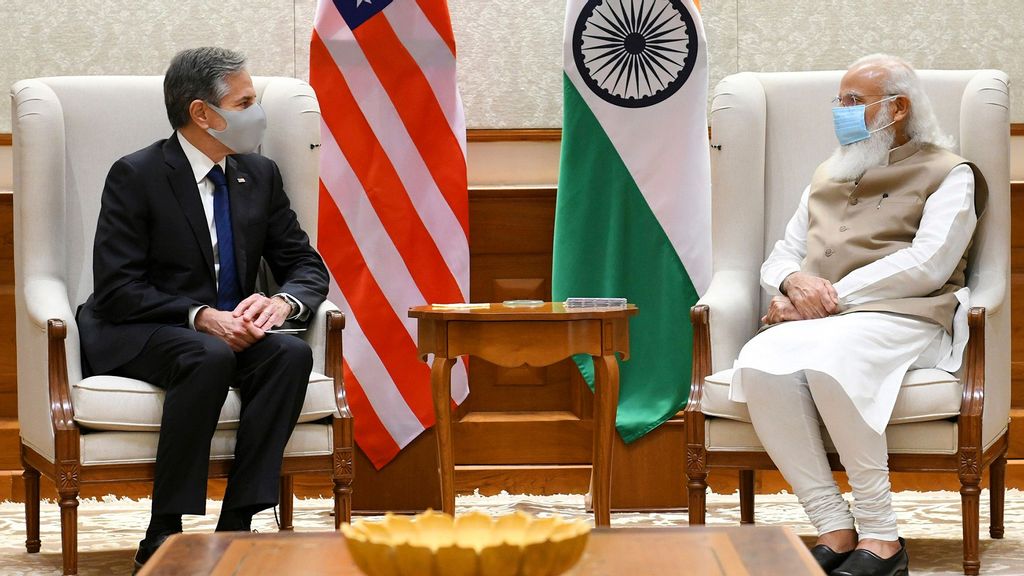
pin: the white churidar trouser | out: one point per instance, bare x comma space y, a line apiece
784, 410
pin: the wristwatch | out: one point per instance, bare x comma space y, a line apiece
292, 303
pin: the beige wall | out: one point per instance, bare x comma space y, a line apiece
509, 51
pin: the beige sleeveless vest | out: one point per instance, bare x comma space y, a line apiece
851, 224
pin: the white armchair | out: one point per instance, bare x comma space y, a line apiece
68, 131
773, 129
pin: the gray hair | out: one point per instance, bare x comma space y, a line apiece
922, 125
198, 74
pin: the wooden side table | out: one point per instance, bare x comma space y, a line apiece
514, 336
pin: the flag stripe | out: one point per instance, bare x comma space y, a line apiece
378, 178
432, 56
379, 253
386, 125
419, 110
393, 202
372, 240
368, 430
437, 13
388, 406
381, 327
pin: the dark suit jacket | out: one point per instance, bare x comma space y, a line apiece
153, 258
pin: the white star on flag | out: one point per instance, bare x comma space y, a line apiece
360, 2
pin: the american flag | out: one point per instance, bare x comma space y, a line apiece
394, 216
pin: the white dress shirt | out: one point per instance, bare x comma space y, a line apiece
201, 165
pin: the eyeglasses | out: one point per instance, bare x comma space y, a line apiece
851, 99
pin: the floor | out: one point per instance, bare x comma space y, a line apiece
109, 529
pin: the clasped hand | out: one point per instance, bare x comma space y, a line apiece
813, 297
807, 297
247, 323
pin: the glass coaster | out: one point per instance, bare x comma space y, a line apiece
523, 303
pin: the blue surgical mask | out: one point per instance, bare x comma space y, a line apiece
244, 130
850, 124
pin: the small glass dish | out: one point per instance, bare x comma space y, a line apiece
522, 303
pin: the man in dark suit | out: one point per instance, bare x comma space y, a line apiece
183, 227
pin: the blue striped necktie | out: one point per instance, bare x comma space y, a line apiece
229, 293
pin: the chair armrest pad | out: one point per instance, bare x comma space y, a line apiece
990, 296
316, 335
47, 299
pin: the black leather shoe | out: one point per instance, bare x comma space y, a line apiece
865, 563
828, 558
147, 548
234, 521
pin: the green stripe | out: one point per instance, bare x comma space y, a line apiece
609, 244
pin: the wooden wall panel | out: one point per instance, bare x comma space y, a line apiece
518, 416
8, 353
1017, 308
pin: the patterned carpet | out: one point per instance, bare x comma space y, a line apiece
109, 529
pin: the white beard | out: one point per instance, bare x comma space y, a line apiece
850, 162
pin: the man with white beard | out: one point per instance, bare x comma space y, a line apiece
868, 282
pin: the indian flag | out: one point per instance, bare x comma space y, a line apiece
633, 216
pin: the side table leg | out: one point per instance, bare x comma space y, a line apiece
606, 399
441, 386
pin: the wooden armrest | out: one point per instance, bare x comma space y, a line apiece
701, 360
61, 409
973, 401
333, 360
65, 430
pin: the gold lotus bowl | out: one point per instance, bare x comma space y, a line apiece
472, 544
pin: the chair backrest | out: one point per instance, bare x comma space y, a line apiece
68, 131
775, 128
100, 119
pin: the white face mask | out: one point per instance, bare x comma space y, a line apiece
244, 130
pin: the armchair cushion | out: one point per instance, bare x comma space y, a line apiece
935, 437
117, 403
927, 394
117, 447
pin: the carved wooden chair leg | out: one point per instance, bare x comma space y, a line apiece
970, 502
697, 473
286, 501
746, 496
344, 471
69, 527
342, 503
997, 494
31, 476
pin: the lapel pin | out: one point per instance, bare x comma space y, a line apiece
241, 180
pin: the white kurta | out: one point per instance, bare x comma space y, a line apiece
869, 353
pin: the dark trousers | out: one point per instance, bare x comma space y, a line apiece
196, 371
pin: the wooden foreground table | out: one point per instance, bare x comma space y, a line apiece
733, 551
536, 336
